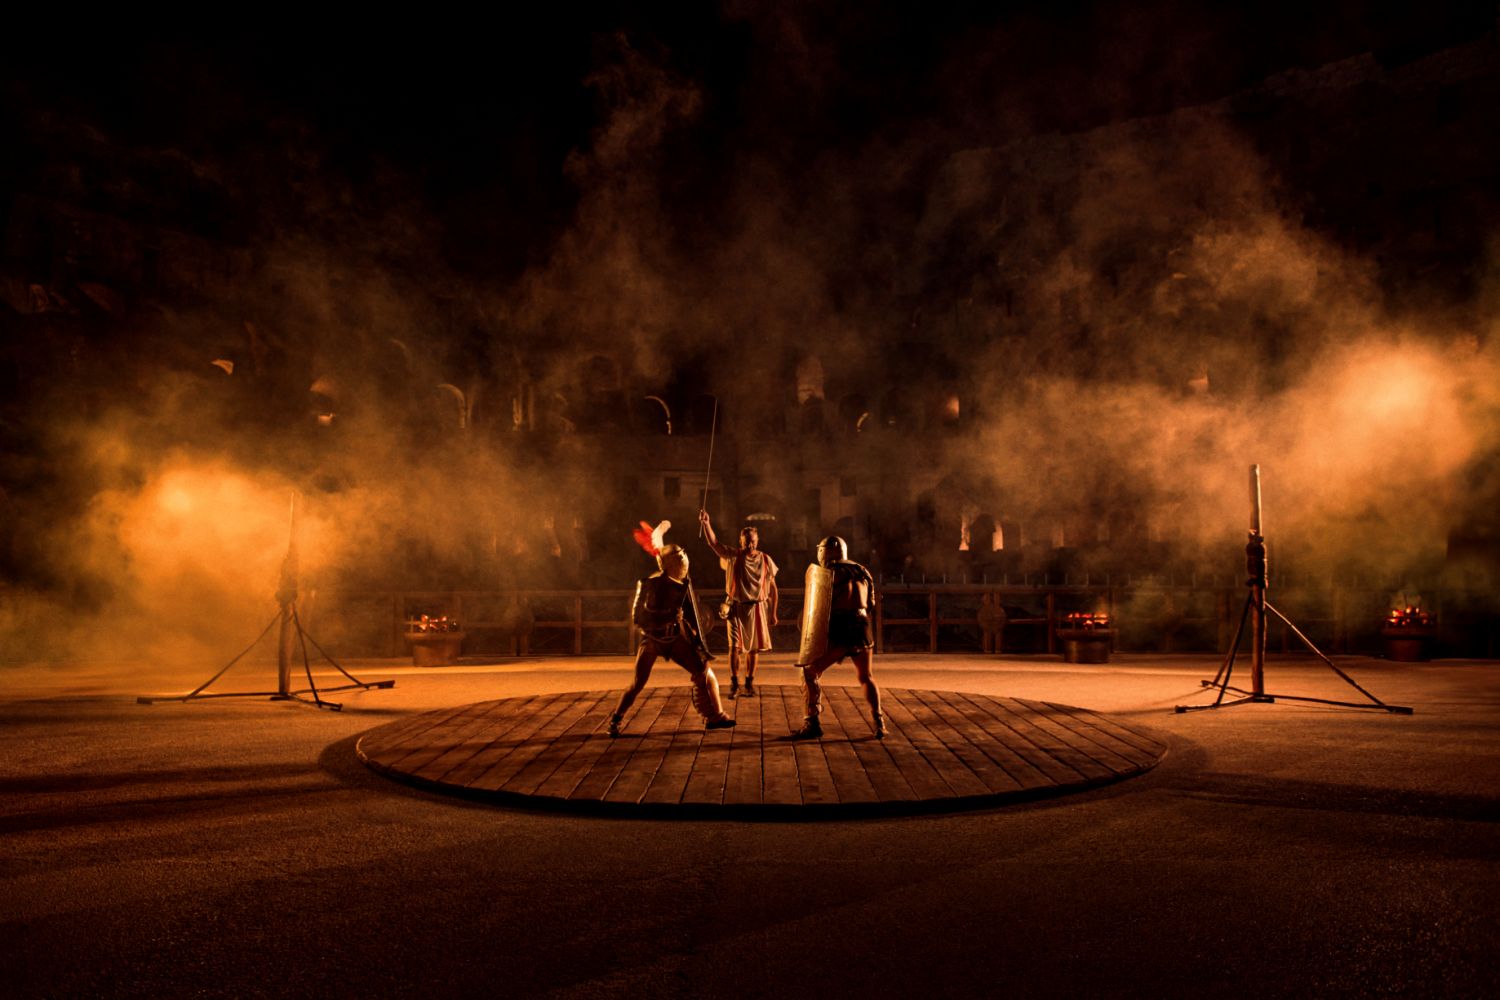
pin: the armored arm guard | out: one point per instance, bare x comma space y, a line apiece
638, 606
650, 612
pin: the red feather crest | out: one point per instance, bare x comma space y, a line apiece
650, 538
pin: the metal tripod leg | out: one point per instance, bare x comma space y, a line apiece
303, 638
289, 617
1226, 671
1374, 701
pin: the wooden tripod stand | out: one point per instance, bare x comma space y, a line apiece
1255, 611
291, 637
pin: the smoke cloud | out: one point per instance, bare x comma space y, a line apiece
1088, 336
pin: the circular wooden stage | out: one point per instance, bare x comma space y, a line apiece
944, 750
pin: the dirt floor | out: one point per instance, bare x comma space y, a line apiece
237, 848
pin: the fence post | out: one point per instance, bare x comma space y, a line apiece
986, 637
932, 620
1051, 622
577, 624
523, 642
398, 623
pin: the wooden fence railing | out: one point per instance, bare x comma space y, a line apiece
929, 618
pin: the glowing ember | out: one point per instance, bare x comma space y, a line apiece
1410, 616
427, 624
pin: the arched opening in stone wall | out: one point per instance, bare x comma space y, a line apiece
766, 513
651, 415
809, 379
854, 412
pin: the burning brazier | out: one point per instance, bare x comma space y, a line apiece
435, 642
1086, 638
1408, 634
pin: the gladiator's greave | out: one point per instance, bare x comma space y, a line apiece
705, 688
812, 693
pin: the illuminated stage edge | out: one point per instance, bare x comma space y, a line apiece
945, 751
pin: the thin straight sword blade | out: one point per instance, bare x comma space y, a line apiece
713, 428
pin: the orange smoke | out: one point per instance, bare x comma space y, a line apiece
195, 555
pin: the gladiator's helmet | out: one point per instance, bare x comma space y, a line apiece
673, 562
832, 549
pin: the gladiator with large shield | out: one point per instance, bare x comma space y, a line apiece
666, 612
839, 600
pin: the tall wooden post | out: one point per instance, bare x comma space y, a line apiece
284, 647
1255, 566
286, 596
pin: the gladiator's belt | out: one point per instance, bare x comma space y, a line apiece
730, 607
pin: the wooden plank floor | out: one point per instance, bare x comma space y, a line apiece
943, 750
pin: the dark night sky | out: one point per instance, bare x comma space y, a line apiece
480, 117
708, 193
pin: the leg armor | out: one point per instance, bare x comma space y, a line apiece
812, 692
861, 660
645, 659
813, 696
705, 687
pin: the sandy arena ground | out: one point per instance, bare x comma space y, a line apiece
237, 848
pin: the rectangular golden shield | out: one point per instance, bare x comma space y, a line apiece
817, 601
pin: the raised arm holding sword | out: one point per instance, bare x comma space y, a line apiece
750, 602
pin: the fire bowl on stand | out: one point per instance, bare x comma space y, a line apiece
1406, 644
1407, 634
435, 642
1086, 638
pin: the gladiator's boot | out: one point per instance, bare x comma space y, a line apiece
813, 695
811, 729
877, 717
749, 687
706, 700
615, 721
